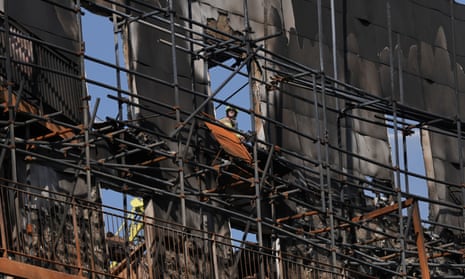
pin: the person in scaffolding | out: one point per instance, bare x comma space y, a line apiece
230, 120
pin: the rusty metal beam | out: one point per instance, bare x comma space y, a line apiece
76, 237
371, 215
153, 161
423, 259
22, 106
27, 271
445, 254
297, 216
26, 107
121, 266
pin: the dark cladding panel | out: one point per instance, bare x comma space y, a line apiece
439, 5
426, 44
306, 21
303, 50
413, 91
445, 171
439, 100
289, 140
371, 39
373, 12
459, 38
408, 54
462, 100
447, 155
402, 19
60, 28
426, 28
459, 11
435, 64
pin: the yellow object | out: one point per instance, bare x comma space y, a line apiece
137, 205
134, 227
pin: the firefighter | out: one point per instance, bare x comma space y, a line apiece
230, 120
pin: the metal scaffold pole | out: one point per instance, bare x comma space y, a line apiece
11, 141
120, 118
320, 140
179, 159
397, 183
92, 192
329, 212
253, 106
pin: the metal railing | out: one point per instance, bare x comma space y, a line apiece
48, 78
62, 233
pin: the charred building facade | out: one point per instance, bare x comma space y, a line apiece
336, 94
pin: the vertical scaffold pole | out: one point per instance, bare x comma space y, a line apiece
123, 160
253, 102
397, 184
320, 36
401, 100
333, 37
179, 153
326, 162
11, 118
116, 30
179, 160
327, 168
320, 141
85, 99
86, 128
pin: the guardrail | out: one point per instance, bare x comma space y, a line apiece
57, 232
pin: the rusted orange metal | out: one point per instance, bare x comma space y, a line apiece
297, 216
27, 271
56, 131
423, 259
153, 161
445, 254
120, 269
382, 211
389, 257
370, 215
24, 106
230, 142
76, 238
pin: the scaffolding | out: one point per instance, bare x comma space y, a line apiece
74, 235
